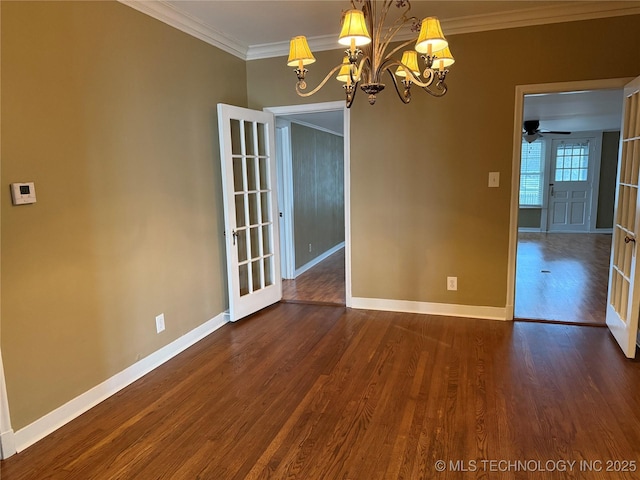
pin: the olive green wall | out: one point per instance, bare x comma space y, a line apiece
608, 171
529, 217
113, 115
318, 192
420, 206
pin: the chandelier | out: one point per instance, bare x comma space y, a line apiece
366, 67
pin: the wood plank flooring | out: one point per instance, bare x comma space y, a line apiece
562, 277
326, 393
323, 284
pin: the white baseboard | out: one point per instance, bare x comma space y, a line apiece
471, 311
529, 230
42, 427
7, 444
318, 259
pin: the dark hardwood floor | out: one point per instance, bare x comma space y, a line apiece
562, 277
323, 284
325, 393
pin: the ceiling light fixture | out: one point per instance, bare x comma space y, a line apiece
366, 67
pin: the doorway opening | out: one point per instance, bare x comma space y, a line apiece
312, 148
563, 192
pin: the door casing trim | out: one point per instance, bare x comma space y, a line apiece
521, 91
329, 107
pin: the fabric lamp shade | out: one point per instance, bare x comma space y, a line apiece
443, 59
299, 51
354, 27
344, 75
409, 59
431, 38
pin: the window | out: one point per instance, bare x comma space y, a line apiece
572, 162
531, 174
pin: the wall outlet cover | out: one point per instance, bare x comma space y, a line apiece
160, 323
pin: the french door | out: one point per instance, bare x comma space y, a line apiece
247, 141
623, 302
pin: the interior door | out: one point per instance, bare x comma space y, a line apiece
247, 140
624, 288
570, 185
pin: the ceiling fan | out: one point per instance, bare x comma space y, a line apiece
532, 131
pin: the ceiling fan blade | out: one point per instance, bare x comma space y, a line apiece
555, 132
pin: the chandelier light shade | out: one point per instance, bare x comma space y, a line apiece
354, 30
410, 59
344, 75
443, 59
299, 51
366, 27
431, 38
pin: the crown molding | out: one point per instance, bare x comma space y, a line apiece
565, 12
278, 49
166, 13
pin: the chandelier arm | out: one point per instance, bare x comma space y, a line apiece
406, 96
324, 81
352, 97
398, 24
389, 63
378, 42
365, 60
442, 89
399, 47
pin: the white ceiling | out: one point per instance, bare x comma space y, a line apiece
254, 29
576, 111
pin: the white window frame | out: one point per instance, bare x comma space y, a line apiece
541, 174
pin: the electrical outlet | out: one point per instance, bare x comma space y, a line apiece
452, 283
309, 248
160, 323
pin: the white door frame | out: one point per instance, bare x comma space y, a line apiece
521, 91
332, 107
285, 194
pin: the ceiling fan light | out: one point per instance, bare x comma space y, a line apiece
531, 137
354, 27
299, 51
431, 38
410, 60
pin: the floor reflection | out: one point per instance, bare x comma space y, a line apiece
562, 276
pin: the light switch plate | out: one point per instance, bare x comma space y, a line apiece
494, 179
23, 193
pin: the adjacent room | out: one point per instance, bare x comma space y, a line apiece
566, 206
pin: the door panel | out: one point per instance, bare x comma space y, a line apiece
250, 209
624, 288
571, 185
